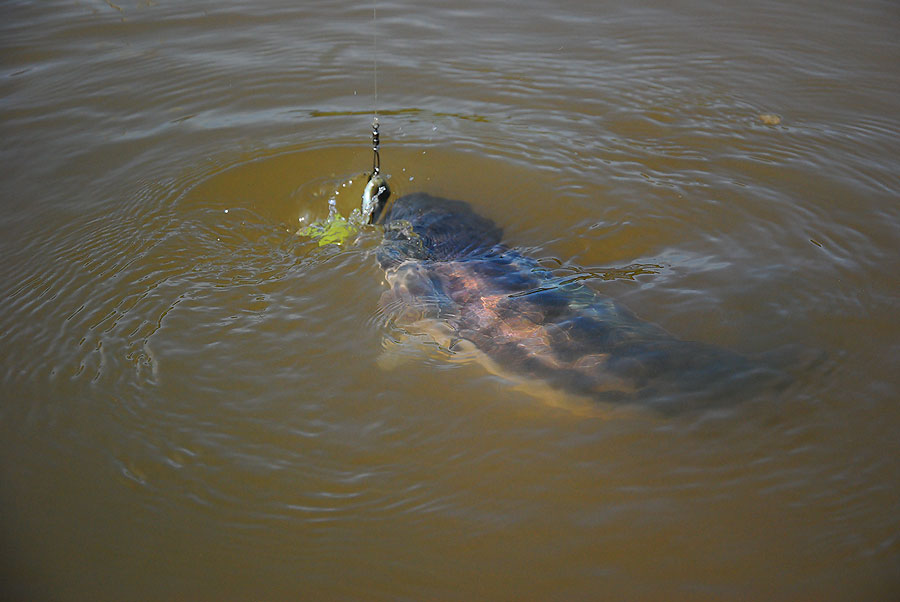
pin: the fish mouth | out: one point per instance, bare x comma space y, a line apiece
375, 198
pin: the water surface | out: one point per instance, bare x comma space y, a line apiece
197, 403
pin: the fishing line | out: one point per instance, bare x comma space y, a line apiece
375, 56
376, 159
377, 191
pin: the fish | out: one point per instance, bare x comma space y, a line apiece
450, 276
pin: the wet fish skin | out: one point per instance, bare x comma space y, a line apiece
445, 262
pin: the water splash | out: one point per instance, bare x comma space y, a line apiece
334, 229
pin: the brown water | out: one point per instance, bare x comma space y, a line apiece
196, 403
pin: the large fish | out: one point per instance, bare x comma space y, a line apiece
451, 277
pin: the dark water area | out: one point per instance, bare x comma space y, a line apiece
200, 404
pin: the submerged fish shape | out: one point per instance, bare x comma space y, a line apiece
449, 273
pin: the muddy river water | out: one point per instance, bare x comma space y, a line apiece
197, 403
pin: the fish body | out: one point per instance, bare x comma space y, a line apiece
446, 267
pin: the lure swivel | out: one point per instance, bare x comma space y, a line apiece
376, 159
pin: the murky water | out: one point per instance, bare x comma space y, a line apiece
198, 404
